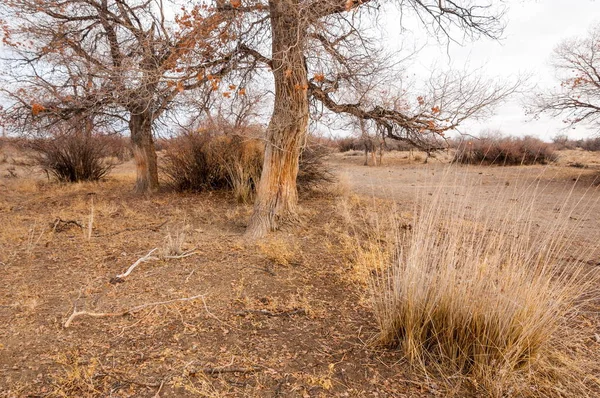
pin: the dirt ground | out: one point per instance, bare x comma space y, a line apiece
283, 317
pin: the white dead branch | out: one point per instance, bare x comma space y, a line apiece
182, 255
133, 310
150, 257
147, 257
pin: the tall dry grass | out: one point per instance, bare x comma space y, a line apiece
477, 289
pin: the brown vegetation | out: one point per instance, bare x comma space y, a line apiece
468, 292
505, 151
209, 160
199, 161
73, 157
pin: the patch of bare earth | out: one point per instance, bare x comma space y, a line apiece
277, 318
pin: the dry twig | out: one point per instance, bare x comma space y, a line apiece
147, 257
60, 225
222, 370
182, 255
133, 310
297, 311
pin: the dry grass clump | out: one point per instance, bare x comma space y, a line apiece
505, 151
280, 251
209, 160
174, 243
199, 161
476, 291
80, 377
73, 157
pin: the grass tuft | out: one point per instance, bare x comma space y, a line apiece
477, 290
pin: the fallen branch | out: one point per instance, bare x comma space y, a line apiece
76, 314
133, 310
182, 255
119, 278
298, 311
148, 257
215, 371
60, 225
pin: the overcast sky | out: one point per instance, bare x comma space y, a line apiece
534, 28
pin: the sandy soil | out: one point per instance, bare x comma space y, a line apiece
278, 318
408, 181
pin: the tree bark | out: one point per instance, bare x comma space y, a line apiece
277, 197
144, 152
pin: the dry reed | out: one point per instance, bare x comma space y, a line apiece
479, 290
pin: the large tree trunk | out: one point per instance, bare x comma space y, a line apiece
144, 153
277, 197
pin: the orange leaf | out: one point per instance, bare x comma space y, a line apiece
37, 108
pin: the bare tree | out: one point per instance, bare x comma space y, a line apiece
317, 54
320, 54
117, 60
577, 65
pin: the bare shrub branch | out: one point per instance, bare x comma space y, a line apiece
577, 98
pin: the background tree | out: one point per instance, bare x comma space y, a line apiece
577, 98
113, 60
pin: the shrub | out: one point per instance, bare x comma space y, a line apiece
117, 147
347, 144
313, 172
505, 151
590, 144
206, 160
474, 289
562, 142
73, 157
399, 145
